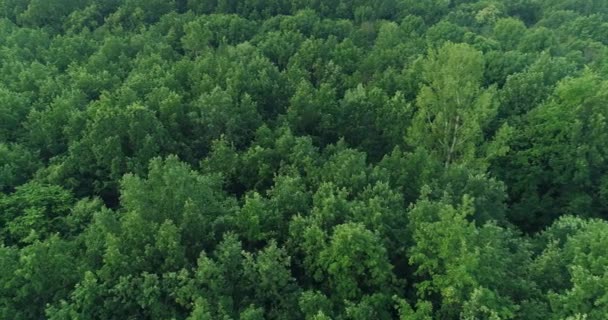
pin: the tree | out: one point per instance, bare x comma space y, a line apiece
508, 32
13, 110
459, 264
115, 141
570, 267
41, 274
313, 304
356, 263
441, 253
453, 109
217, 115
195, 203
197, 37
546, 176
48, 129
17, 165
275, 290
311, 111
34, 212
49, 13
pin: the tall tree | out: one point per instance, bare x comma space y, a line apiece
453, 108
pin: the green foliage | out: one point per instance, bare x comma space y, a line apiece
508, 32
291, 159
355, 259
37, 275
452, 107
35, 212
574, 178
17, 165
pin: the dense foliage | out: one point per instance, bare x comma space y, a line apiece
290, 159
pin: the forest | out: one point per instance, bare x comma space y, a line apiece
304, 159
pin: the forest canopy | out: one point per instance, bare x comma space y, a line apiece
291, 159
